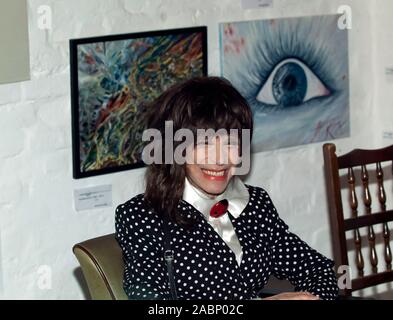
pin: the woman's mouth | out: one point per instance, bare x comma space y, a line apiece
215, 174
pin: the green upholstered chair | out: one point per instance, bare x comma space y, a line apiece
102, 266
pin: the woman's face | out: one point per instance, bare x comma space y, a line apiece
213, 164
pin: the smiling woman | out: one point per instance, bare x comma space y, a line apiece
226, 237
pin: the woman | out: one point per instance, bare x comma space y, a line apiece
226, 236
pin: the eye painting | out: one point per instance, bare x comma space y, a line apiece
294, 74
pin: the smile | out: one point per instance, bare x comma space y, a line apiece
214, 173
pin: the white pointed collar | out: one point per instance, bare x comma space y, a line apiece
236, 193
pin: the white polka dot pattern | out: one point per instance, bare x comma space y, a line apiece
205, 267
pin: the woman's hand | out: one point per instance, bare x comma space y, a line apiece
293, 296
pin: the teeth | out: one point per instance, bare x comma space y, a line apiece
214, 173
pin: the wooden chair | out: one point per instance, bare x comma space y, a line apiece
359, 161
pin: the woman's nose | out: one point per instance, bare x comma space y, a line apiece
221, 154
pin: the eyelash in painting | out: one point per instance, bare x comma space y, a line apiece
290, 46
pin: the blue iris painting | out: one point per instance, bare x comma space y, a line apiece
294, 74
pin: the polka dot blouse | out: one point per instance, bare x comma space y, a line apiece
204, 265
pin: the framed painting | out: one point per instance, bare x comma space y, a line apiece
113, 79
294, 74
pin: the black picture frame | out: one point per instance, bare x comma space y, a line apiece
85, 59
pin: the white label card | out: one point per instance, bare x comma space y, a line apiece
389, 74
387, 134
255, 4
93, 197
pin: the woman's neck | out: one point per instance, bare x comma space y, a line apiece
203, 193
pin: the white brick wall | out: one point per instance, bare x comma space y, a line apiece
38, 222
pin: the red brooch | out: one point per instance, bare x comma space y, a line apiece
219, 208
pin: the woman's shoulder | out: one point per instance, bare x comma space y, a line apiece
136, 221
137, 200
260, 199
257, 191
136, 207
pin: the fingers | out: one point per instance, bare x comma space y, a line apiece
308, 296
303, 295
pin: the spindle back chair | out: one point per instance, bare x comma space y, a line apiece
356, 165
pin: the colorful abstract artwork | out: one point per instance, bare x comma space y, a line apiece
113, 78
294, 74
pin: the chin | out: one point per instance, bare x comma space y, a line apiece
215, 187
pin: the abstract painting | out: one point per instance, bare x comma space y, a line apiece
113, 79
294, 74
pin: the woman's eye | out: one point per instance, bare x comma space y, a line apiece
291, 83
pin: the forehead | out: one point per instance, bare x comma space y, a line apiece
217, 133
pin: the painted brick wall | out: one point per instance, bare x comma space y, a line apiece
38, 221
